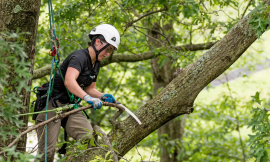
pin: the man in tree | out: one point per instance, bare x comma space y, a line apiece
79, 70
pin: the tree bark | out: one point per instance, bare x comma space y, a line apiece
178, 96
162, 76
23, 16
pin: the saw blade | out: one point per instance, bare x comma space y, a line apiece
131, 114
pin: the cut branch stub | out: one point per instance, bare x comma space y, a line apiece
112, 120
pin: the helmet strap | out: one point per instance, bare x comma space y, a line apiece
98, 51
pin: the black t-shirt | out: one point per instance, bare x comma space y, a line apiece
81, 61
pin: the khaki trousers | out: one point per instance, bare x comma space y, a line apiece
77, 127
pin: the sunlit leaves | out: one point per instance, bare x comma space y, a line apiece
212, 130
260, 139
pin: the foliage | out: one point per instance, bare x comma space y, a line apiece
259, 140
76, 148
100, 159
194, 21
260, 18
212, 132
14, 70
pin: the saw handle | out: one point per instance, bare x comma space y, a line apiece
117, 102
104, 98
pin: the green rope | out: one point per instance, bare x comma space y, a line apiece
47, 100
54, 41
71, 96
53, 60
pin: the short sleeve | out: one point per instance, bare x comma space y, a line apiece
77, 62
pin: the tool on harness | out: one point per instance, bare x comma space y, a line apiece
55, 47
40, 103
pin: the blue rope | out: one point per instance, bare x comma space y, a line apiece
52, 25
52, 28
48, 96
51, 17
49, 2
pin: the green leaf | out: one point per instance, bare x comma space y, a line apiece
92, 142
107, 154
256, 98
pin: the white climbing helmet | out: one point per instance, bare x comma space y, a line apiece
109, 32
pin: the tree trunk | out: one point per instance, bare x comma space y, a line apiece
23, 16
178, 96
162, 76
175, 131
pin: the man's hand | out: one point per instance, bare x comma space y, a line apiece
107, 98
96, 102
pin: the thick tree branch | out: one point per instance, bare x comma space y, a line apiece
178, 97
41, 72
